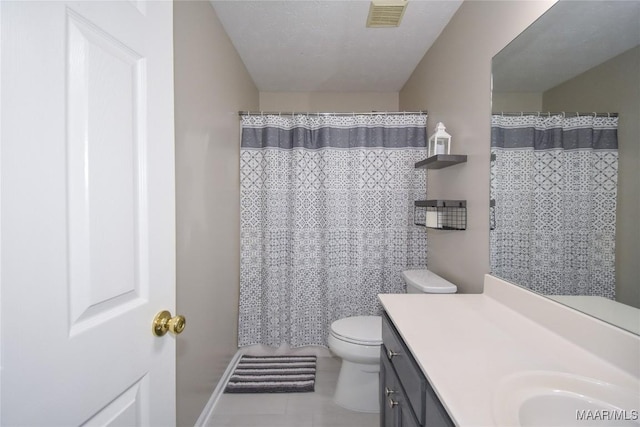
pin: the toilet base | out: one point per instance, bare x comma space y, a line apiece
357, 388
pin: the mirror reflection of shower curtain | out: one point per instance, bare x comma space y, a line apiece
554, 182
326, 220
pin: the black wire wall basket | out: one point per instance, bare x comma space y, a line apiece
441, 214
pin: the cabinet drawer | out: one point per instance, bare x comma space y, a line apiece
408, 371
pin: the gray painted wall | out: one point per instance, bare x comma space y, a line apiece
211, 85
452, 82
516, 101
336, 102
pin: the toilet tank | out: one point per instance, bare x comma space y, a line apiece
426, 282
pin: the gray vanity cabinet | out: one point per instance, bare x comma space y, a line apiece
406, 397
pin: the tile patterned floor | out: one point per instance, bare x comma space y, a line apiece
292, 409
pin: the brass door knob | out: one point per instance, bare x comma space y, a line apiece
163, 322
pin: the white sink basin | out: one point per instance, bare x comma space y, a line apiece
544, 398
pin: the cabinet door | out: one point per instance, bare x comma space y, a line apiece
410, 376
389, 393
436, 414
407, 417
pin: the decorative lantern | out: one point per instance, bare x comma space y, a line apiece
439, 142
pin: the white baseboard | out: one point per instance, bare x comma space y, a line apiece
207, 412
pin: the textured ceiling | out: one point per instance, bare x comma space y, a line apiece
571, 38
298, 45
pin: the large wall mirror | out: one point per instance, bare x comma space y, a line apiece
565, 159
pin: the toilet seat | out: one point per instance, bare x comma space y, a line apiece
360, 330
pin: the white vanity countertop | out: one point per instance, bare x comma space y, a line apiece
466, 344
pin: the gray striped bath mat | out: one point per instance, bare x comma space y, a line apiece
273, 374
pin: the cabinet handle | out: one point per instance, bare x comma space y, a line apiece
391, 354
388, 391
392, 403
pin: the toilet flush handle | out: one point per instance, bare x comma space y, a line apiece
391, 353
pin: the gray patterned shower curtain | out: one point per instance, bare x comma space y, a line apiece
554, 182
326, 220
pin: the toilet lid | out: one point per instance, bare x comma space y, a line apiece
359, 329
428, 282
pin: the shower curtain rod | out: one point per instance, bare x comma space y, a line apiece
292, 113
556, 113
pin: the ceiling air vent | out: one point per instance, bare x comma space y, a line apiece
386, 13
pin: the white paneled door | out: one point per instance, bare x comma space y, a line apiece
86, 213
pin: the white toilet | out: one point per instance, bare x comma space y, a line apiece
357, 341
